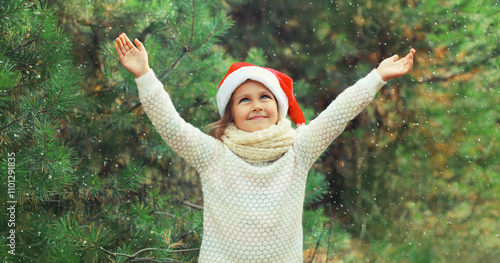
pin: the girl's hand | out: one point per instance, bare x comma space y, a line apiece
391, 68
134, 59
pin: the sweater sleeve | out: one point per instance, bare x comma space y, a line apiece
196, 147
314, 138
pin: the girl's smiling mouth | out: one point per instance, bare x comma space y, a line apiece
255, 118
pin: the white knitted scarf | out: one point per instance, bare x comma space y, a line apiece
260, 146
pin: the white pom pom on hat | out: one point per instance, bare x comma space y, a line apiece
278, 83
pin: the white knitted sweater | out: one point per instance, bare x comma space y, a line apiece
252, 212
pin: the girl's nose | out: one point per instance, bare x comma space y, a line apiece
257, 107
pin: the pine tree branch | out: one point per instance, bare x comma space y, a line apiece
119, 254
12, 122
473, 67
189, 48
185, 250
193, 11
123, 183
316, 188
191, 205
212, 33
440, 79
176, 35
31, 84
53, 102
184, 52
317, 244
45, 150
155, 260
164, 213
37, 37
24, 256
103, 90
138, 252
133, 257
135, 107
329, 230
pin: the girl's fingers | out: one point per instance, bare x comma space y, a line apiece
394, 57
412, 52
126, 38
122, 43
125, 45
128, 43
407, 58
139, 44
119, 47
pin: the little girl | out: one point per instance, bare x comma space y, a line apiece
253, 168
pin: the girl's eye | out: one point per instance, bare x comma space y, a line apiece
265, 97
244, 100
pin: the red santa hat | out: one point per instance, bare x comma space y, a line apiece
278, 83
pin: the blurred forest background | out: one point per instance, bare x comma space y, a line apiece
414, 178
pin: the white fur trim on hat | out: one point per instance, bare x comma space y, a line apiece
262, 75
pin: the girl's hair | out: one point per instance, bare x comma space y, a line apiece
218, 128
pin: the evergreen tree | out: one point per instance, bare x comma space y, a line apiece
117, 203
38, 91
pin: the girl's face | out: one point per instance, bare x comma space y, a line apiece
254, 107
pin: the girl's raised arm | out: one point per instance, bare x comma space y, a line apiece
315, 137
197, 148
